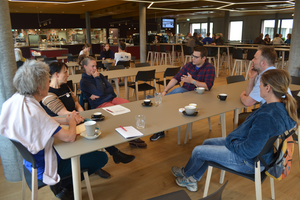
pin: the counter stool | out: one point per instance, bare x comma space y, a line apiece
164, 55
150, 54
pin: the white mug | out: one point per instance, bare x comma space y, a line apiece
90, 127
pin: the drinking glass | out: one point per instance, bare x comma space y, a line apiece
158, 99
140, 121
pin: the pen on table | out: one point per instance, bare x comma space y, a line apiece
109, 111
123, 128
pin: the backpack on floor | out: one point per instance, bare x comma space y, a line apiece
281, 164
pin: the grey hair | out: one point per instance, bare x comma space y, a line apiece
32, 75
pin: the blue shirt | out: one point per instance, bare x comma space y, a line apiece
209, 40
40, 160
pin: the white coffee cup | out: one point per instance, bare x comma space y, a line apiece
199, 90
190, 110
193, 104
90, 127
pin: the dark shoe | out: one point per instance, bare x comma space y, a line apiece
122, 157
103, 174
65, 194
138, 143
156, 136
56, 188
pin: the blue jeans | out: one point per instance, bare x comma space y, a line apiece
214, 150
92, 161
178, 90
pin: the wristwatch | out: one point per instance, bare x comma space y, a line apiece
194, 82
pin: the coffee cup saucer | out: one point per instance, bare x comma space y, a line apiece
83, 134
194, 114
150, 104
97, 119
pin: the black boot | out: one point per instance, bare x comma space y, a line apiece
122, 157
103, 174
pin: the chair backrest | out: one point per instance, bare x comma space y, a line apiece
124, 63
154, 48
178, 48
42, 56
72, 58
145, 64
234, 79
217, 195
116, 67
145, 75
149, 47
295, 80
187, 50
209, 50
99, 64
133, 59
68, 54
237, 53
162, 48
268, 146
171, 71
251, 53
297, 98
52, 58
49, 61
25, 153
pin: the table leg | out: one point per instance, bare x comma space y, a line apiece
223, 125
228, 60
173, 54
179, 131
126, 87
117, 86
218, 64
236, 118
75, 163
282, 62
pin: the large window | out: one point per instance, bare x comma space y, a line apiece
177, 28
285, 27
201, 28
236, 30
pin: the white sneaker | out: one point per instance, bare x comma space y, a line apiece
188, 183
178, 172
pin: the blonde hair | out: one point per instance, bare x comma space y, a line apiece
279, 81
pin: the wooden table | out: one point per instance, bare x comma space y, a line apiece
123, 73
208, 105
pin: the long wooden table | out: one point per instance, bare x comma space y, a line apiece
156, 121
122, 73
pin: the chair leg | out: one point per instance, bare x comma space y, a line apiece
272, 188
298, 133
233, 70
222, 176
209, 123
258, 181
23, 186
207, 182
88, 185
34, 185
179, 131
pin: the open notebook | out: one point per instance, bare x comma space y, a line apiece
130, 132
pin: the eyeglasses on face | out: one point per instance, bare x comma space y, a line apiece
196, 57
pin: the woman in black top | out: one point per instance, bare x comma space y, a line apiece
107, 53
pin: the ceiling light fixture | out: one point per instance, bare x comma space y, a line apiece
150, 5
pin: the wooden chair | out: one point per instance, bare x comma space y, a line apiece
143, 76
258, 177
31, 178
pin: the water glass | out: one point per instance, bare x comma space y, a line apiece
140, 121
158, 99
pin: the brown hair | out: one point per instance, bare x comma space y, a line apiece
86, 45
269, 54
279, 81
202, 50
122, 45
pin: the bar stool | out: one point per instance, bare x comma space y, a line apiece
211, 59
164, 55
150, 54
237, 55
156, 55
250, 56
187, 53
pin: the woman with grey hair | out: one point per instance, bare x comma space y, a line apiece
23, 119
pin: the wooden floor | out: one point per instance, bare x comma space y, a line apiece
150, 175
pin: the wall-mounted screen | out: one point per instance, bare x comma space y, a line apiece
167, 23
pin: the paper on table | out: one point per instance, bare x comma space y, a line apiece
116, 110
79, 128
130, 133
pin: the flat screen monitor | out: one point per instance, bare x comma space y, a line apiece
167, 23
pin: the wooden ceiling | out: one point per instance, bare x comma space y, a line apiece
180, 9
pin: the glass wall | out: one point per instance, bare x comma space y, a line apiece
268, 27
236, 31
285, 26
